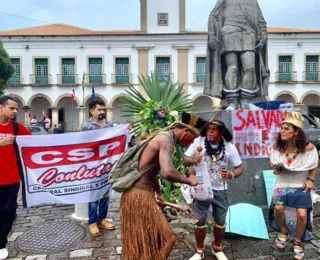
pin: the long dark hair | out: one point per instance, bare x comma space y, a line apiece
300, 141
221, 128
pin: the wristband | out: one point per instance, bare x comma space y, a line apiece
311, 179
232, 175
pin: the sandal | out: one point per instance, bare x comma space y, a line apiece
298, 254
282, 242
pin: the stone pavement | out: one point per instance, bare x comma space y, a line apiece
108, 245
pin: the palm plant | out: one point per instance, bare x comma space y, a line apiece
165, 94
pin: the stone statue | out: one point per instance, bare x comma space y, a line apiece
237, 63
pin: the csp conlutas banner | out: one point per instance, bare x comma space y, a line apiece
69, 168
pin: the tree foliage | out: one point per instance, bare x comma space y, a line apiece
6, 69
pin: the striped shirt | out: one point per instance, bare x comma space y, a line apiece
92, 125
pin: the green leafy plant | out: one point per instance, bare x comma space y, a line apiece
167, 95
6, 70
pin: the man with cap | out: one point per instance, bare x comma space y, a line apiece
217, 152
145, 232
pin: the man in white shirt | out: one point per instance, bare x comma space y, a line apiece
47, 123
217, 152
33, 120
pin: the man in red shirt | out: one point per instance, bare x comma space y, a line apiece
9, 174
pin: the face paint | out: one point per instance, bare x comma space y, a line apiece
213, 134
186, 139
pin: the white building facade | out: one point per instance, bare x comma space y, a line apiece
52, 60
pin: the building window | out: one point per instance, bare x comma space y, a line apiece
162, 19
201, 69
314, 110
312, 68
41, 71
285, 68
122, 70
15, 79
68, 71
95, 70
163, 68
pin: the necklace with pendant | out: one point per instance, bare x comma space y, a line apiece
290, 159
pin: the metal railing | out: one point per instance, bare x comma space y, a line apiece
67, 79
199, 77
40, 79
165, 77
15, 80
95, 79
313, 77
286, 77
116, 79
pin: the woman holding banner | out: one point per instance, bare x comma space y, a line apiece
295, 162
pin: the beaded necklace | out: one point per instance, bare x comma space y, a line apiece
290, 159
214, 152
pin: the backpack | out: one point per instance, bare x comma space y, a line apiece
16, 132
125, 172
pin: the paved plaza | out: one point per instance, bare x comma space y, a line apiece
49, 232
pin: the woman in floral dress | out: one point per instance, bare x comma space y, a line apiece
295, 162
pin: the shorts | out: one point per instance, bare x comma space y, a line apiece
292, 197
219, 207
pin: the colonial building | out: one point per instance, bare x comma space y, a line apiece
52, 60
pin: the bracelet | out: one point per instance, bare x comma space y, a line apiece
311, 179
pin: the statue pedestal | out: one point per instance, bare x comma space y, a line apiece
249, 188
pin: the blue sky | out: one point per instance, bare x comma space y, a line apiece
125, 14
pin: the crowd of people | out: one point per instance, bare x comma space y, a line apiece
145, 231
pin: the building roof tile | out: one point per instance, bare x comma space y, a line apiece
65, 30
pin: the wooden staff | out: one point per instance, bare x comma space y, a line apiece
181, 209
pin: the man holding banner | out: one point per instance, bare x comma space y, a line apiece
10, 172
98, 210
213, 149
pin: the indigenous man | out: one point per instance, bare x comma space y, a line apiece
217, 153
144, 229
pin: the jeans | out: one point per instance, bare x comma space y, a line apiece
8, 207
98, 210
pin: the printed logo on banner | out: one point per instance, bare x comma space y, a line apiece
70, 169
254, 132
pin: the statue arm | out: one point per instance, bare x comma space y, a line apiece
214, 18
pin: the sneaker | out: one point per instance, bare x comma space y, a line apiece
219, 255
106, 225
94, 230
197, 256
3, 253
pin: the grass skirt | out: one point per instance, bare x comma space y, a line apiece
140, 223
